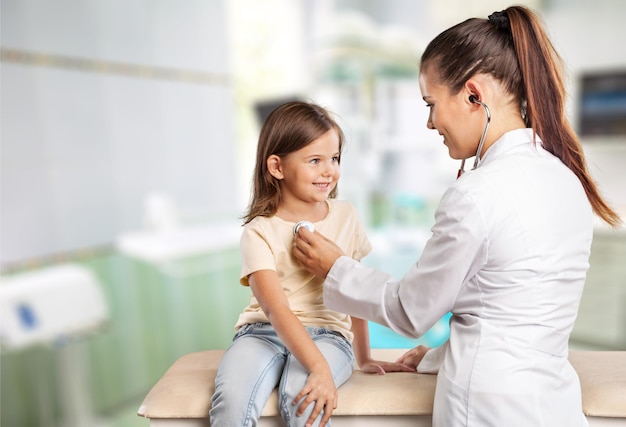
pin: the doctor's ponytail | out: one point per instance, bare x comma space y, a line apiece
544, 95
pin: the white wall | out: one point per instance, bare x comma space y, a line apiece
102, 103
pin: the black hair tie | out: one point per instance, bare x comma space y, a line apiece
500, 20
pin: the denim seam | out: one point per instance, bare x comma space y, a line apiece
257, 385
282, 399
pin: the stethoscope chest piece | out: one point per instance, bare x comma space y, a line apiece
306, 224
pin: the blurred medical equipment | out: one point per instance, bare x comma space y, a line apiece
54, 306
475, 100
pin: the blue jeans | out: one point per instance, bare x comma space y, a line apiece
257, 361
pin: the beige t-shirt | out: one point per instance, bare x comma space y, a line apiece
266, 244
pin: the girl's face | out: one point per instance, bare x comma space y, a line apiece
450, 116
311, 173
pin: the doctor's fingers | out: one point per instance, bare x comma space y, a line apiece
309, 247
310, 260
320, 244
311, 238
302, 249
414, 356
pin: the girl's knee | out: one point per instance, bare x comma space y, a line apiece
288, 411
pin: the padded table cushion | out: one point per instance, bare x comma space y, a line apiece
603, 381
185, 389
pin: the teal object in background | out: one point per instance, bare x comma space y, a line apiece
384, 337
395, 249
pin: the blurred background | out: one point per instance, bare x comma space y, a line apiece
128, 132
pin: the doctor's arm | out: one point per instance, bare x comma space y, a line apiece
318, 254
411, 305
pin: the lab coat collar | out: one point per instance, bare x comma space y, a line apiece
509, 141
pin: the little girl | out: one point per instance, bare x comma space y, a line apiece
287, 337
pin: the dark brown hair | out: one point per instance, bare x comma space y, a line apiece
513, 48
288, 128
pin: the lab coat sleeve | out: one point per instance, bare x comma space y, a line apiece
410, 306
432, 360
345, 287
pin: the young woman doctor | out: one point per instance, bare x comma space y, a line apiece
509, 249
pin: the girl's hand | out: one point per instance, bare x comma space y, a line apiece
414, 356
319, 390
379, 367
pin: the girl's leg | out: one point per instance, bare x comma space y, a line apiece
337, 351
246, 376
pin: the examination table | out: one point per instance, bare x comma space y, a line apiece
182, 397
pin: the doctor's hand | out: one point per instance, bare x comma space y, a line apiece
414, 356
381, 367
316, 253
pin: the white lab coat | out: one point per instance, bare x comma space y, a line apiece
508, 257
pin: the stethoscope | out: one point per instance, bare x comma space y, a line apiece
475, 100
306, 224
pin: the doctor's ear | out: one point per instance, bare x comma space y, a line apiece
473, 90
274, 166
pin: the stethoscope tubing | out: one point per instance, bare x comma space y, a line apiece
482, 139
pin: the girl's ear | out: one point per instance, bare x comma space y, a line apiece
275, 167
